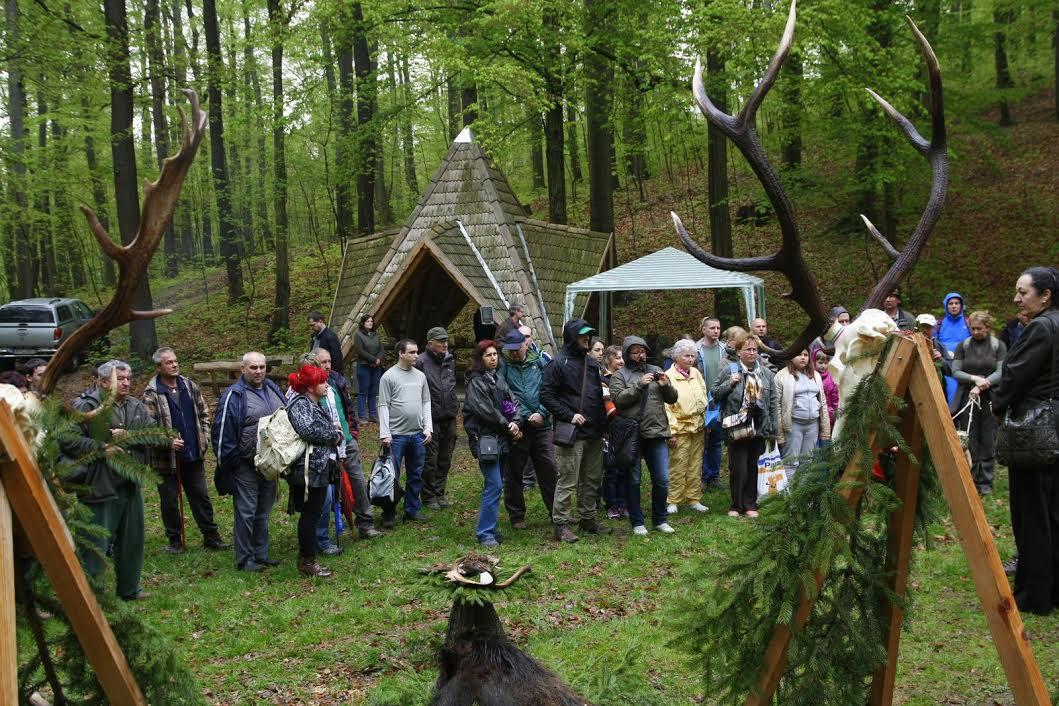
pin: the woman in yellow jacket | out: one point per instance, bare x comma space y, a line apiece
687, 417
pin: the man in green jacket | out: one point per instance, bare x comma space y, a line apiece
523, 369
640, 391
116, 502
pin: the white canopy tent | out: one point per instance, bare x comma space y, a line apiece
668, 268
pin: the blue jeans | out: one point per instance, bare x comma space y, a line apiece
368, 391
655, 453
613, 486
323, 525
410, 449
489, 511
711, 458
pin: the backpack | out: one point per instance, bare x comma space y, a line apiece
278, 445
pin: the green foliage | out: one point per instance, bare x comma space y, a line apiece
158, 668
732, 607
603, 682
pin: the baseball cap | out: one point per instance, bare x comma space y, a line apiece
513, 340
926, 320
585, 329
437, 334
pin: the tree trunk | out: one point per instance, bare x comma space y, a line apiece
366, 129
186, 243
99, 194
726, 301
1003, 18
407, 137
599, 77
469, 100
455, 104
791, 117
554, 124
142, 337
161, 129
344, 152
68, 241
221, 189
24, 248
571, 142
536, 129
259, 189
1055, 52
281, 309
45, 232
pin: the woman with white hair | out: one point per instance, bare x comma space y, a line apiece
687, 424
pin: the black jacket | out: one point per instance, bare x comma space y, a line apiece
102, 482
483, 410
441, 379
327, 340
314, 426
561, 389
1027, 378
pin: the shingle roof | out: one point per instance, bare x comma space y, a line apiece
472, 215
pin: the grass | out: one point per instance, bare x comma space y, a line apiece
369, 634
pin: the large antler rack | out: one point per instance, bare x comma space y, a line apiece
788, 260
159, 199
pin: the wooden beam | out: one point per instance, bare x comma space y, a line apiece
895, 370
899, 553
998, 604
50, 539
8, 647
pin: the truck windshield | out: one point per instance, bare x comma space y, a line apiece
16, 314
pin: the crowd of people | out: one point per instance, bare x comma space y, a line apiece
579, 425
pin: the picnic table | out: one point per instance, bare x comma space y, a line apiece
222, 373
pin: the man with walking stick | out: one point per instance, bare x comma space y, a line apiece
176, 402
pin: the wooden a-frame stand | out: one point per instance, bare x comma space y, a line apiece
36, 519
910, 374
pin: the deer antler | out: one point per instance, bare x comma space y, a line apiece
936, 153
159, 200
788, 259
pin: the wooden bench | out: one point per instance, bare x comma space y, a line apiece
219, 374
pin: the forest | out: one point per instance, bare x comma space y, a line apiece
326, 119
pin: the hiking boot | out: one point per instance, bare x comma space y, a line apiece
389, 522
414, 518
564, 534
267, 562
593, 527
369, 533
251, 566
445, 503
215, 544
174, 548
140, 595
331, 550
713, 484
519, 524
433, 505
307, 566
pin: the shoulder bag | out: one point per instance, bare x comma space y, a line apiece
565, 433
1029, 438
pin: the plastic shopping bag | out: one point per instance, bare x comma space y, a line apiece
771, 477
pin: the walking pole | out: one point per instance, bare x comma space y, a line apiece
180, 499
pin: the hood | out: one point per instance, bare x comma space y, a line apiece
945, 306
627, 343
570, 329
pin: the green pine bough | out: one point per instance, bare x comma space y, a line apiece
58, 667
731, 608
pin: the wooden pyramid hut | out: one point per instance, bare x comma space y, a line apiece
468, 239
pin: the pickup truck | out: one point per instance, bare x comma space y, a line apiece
35, 328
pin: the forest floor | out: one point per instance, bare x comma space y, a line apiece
601, 607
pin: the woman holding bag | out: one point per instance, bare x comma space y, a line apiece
309, 482
746, 393
1028, 443
489, 418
